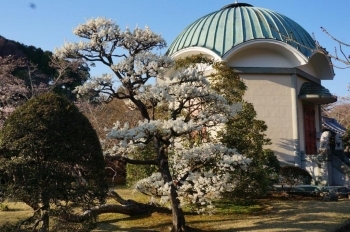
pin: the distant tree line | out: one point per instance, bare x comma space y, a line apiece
27, 71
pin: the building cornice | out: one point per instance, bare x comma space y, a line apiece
276, 71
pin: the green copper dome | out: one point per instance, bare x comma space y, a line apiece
237, 23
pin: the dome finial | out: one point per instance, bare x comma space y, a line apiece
236, 4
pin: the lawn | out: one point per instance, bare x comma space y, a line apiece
14, 212
268, 215
289, 214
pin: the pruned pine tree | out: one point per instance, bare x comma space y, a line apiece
194, 171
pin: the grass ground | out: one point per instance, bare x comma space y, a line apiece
269, 215
272, 215
14, 212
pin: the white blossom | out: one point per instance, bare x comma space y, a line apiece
200, 171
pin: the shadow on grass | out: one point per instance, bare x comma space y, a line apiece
126, 219
310, 216
345, 227
292, 215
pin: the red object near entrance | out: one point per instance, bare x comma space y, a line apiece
310, 130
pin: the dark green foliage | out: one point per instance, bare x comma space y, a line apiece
247, 134
271, 159
39, 57
291, 176
255, 181
72, 78
134, 172
49, 153
33, 54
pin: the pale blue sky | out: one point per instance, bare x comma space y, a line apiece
47, 23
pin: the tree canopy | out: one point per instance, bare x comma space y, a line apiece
50, 154
196, 172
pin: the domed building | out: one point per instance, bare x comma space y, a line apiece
282, 67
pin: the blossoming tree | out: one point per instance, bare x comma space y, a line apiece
179, 107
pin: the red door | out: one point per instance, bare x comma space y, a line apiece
310, 130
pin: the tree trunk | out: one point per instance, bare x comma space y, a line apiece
179, 223
44, 227
130, 210
127, 207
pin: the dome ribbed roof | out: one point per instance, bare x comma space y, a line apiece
316, 94
238, 23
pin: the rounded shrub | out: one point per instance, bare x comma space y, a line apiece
50, 153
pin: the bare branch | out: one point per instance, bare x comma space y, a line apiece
131, 161
335, 39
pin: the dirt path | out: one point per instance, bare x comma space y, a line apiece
300, 215
280, 215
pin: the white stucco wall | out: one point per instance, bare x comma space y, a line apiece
265, 53
260, 56
308, 68
271, 96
